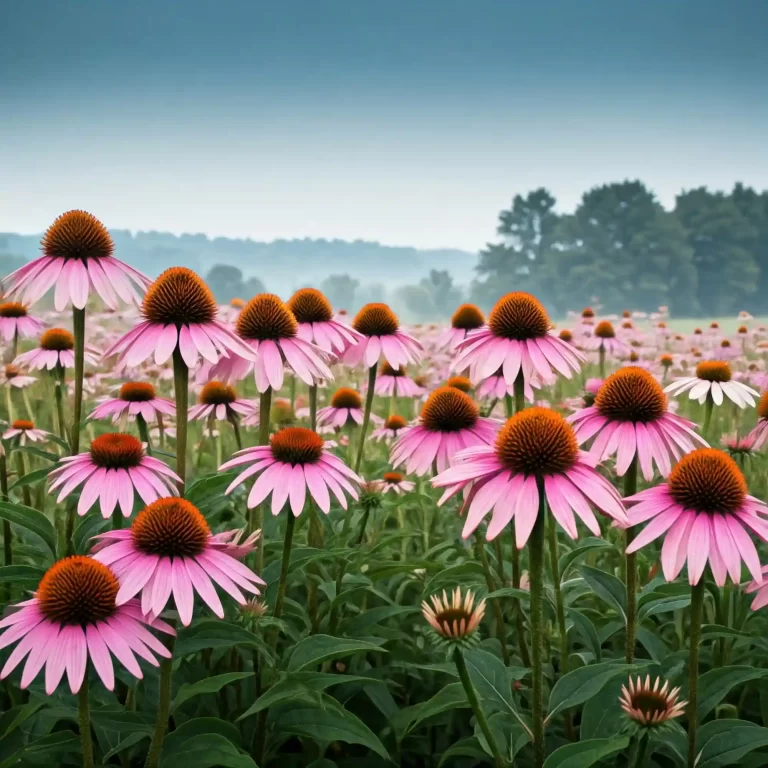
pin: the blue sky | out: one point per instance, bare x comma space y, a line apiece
405, 122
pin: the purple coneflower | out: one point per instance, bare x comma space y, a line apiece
220, 401
314, 314
394, 382
381, 337
14, 321
136, 398
760, 433
466, 318
650, 706
392, 428
455, 617
25, 430
394, 482
713, 379
12, 376
56, 349
345, 408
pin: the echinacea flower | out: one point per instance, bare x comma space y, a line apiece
739, 447
393, 427
455, 617
704, 513
25, 430
394, 482
650, 705
14, 321
604, 338
381, 336
77, 257
220, 401
73, 617
314, 314
713, 379
55, 350
450, 421
179, 312
345, 408
12, 376
170, 550
295, 462
136, 398
271, 333
630, 419
536, 450
466, 318
110, 471
496, 387
518, 339
760, 432
393, 382
462, 383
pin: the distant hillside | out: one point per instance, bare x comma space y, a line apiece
282, 265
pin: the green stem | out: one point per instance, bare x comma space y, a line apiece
9, 405
536, 558
21, 470
160, 431
501, 629
525, 656
630, 488
84, 721
366, 416
293, 393
509, 406
477, 710
393, 400
313, 407
256, 518
163, 708
7, 532
640, 752
363, 524
181, 392
78, 327
144, 433
233, 420
602, 361
58, 396
287, 544
697, 611
519, 393
709, 407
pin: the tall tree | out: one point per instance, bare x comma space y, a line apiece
518, 261
226, 282
340, 291
443, 294
621, 247
754, 207
723, 242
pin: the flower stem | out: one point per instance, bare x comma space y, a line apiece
313, 407
21, 470
84, 721
78, 327
9, 404
7, 532
366, 417
144, 432
602, 361
58, 396
501, 629
640, 752
709, 407
697, 611
257, 513
393, 400
630, 488
163, 708
519, 393
287, 544
469, 689
160, 431
519, 624
232, 419
536, 558
181, 392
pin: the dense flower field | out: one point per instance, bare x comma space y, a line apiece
274, 534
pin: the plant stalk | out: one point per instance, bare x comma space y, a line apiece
78, 326
519, 392
366, 416
181, 393
630, 488
536, 558
501, 629
697, 611
287, 544
84, 721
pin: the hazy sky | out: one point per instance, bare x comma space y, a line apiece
405, 121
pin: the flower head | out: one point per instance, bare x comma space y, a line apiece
466, 318
704, 513
55, 350
381, 336
72, 617
462, 383
650, 705
760, 433
12, 376
25, 430
316, 323
713, 379
345, 408
393, 427
454, 618
394, 382
14, 321
535, 452
170, 550
395, 482
219, 400
136, 398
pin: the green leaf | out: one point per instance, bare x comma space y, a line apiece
213, 633
585, 753
131, 740
608, 587
209, 488
26, 575
359, 624
208, 685
725, 742
327, 725
462, 573
121, 721
315, 649
587, 631
40, 453
601, 717
464, 748
88, 527
715, 685
652, 643
520, 594
205, 750
31, 520
32, 477
451, 697
584, 547
582, 684
663, 605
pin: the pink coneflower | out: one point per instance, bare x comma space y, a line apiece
393, 427
221, 402
462, 383
705, 512
760, 433
739, 447
271, 332
25, 430
393, 381
651, 706
630, 418
113, 468
604, 338
450, 421
12, 376
77, 256
466, 318
136, 398
455, 617
314, 314
169, 549
72, 617
179, 313
518, 339
381, 337
496, 387
536, 447
55, 350
713, 379
345, 408
394, 482
295, 461
14, 321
